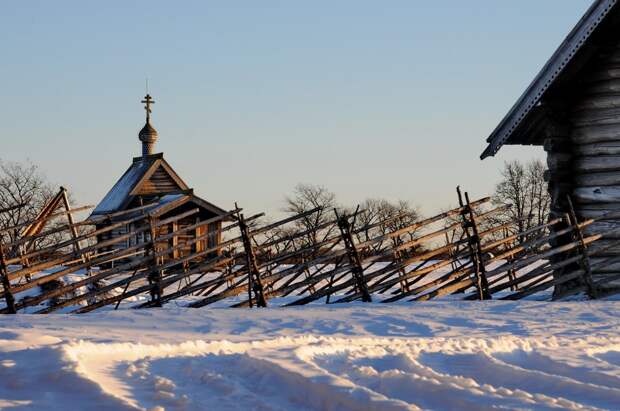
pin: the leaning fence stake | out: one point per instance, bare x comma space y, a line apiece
475, 248
354, 259
254, 281
6, 283
155, 276
583, 248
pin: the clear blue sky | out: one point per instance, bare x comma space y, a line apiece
386, 99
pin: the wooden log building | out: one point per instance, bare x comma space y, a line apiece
150, 179
572, 108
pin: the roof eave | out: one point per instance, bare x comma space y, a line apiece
554, 67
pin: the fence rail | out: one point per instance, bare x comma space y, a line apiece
466, 252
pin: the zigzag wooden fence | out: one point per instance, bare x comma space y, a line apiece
320, 255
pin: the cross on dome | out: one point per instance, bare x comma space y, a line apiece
148, 100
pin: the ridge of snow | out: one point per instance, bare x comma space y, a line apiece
437, 356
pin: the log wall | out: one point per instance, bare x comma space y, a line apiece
589, 167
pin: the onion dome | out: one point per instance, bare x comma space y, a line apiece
148, 134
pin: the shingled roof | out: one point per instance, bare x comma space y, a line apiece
522, 123
137, 180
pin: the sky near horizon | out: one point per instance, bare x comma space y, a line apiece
384, 99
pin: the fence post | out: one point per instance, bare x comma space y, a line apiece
583, 248
403, 283
6, 282
353, 255
254, 282
155, 275
475, 249
74, 234
512, 274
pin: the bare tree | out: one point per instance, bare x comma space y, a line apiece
381, 216
307, 197
524, 188
21, 184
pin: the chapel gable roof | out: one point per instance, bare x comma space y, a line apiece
146, 175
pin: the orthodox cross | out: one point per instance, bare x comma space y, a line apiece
148, 100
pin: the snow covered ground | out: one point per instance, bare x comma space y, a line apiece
444, 355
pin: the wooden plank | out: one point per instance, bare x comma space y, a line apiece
583, 248
171, 279
43, 215
102, 260
422, 223
354, 258
284, 221
164, 283
98, 246
456, 284
255, 283
73, 286
495, 244
6, 283
51, 216
132, 265
70, 242
459, 272
475, 248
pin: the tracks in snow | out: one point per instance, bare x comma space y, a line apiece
321, 373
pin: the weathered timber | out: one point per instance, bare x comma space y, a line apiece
415, 272
452, 286
31, 301
427, 221
607, 148
44, 214
128, 266
131, 265
595, 134
475, 248
560, 250
284, 221
517, 236
218, 261
64, 259
583, 249
102, 275
171, 279
154, 277
6, 283
70, 242
254, 280
540, 271
454, 274
47, 218
394, 281
354, 258
236, 290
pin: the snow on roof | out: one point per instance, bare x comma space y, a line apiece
167, 199
118, 194
118, 197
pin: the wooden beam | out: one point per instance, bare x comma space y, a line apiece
255, 284
354, 258
6, 283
